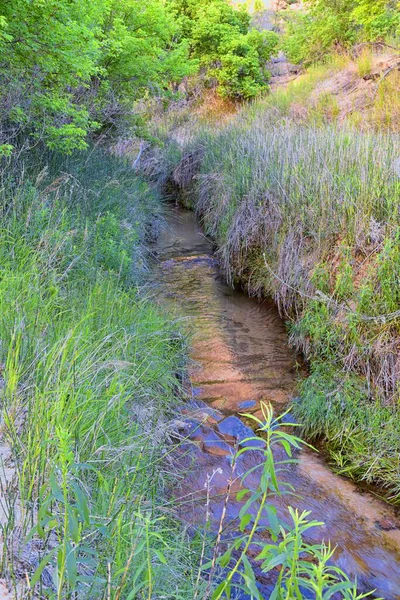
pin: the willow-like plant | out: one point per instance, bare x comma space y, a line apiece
303, 568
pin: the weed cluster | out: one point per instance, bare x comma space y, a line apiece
304, 570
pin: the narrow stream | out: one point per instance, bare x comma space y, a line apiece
241, 356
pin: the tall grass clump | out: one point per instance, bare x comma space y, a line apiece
364, 62
309, 215
88, 369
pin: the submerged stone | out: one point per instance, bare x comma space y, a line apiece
247, 404
213, 444
234, 427
186, 427
198, 407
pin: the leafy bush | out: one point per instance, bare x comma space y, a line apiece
241, 73
220, 39
327, 25
68, 68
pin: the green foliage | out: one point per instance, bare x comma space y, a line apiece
378, 18
385, 278
51, 48
219, 39
338, 23
140, 55
302, 567
240, 72
68, 67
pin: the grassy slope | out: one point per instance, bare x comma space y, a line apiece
305, 209
88, 368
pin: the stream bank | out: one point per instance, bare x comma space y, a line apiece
241, 356
307, 214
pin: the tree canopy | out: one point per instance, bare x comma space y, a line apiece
71, 67
220, 38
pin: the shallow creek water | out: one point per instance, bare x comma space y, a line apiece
241, 356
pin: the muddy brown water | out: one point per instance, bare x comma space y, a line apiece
241, 356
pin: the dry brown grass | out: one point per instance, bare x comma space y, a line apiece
214, 109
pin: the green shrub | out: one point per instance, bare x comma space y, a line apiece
327, 25
68, 69
240, 74
221, 40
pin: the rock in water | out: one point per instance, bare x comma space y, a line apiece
234, 427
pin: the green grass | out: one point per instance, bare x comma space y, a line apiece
89, 370
360, 432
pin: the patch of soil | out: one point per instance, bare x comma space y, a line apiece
352, 92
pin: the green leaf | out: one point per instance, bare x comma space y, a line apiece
45, 561
71, 565
134, 592
225, 558
82, 505
250, 579
274, 562
220, 589
161, 556
338, 587
73, 525
272, 518
55, 488
244, 521
241, 494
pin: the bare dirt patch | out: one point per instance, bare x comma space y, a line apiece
353, 92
